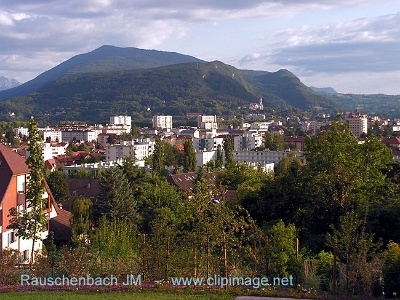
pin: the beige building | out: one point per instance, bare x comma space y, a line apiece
358, 125
162, 122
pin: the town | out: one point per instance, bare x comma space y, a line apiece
108, 177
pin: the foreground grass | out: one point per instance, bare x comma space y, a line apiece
136, 295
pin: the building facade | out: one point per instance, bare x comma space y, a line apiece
358, 125
13, 184
162, 122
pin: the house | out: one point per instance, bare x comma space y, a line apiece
296, 142
13, 182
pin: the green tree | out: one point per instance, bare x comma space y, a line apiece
116, 197
31, 222
189, 156
342, 176
158, 157
228, 150
58, 186
391, 270
219, 162
355, 247
282, 258
81, 220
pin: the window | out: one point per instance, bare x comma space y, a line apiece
11, 238
24, 256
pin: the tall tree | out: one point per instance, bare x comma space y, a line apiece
58, 185
116, 197
158, 157
189, 160
228, 149
30, 223
81, 220
219, 162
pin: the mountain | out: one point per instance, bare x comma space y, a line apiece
104, 59
326, 90
205, 87
8, 83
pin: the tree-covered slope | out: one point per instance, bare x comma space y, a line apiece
209, 88
103, 59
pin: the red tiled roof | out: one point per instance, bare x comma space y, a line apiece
11, 164
186, 181
392, 140
61, 226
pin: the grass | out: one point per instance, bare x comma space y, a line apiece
136, 295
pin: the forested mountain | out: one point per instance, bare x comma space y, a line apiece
209, 88
104, 59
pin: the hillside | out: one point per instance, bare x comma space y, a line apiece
104, 59
387, 106
209, 88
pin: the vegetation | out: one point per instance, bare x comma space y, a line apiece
330, 224
176, 90
31, 221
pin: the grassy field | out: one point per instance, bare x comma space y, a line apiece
136, 295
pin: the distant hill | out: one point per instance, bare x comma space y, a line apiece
8, 83
327, 90
209, 88
386, 106
104, 59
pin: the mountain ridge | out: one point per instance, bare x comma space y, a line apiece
111, 80
98, 60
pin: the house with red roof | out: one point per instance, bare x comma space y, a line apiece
14, 175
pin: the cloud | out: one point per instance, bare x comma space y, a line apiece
370, 45
39, 34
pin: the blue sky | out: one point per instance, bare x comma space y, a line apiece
350, 45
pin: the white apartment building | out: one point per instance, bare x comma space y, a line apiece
140, 148
116, 129
203, 157
207, 122
79, 135
249, 141
162, 122
358, 125
20, 131
121, 120
51, 133
207, 144
68, 170
261, 157
49, 151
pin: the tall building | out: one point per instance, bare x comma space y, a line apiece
358, 125
162, 122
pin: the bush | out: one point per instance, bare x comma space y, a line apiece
391, 270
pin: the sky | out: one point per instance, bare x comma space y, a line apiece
352, 46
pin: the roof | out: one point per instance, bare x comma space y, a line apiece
11, 164
61, 226
293, 139
186, 181
87, 187
392, 140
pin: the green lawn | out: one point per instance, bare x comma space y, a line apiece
137, 295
